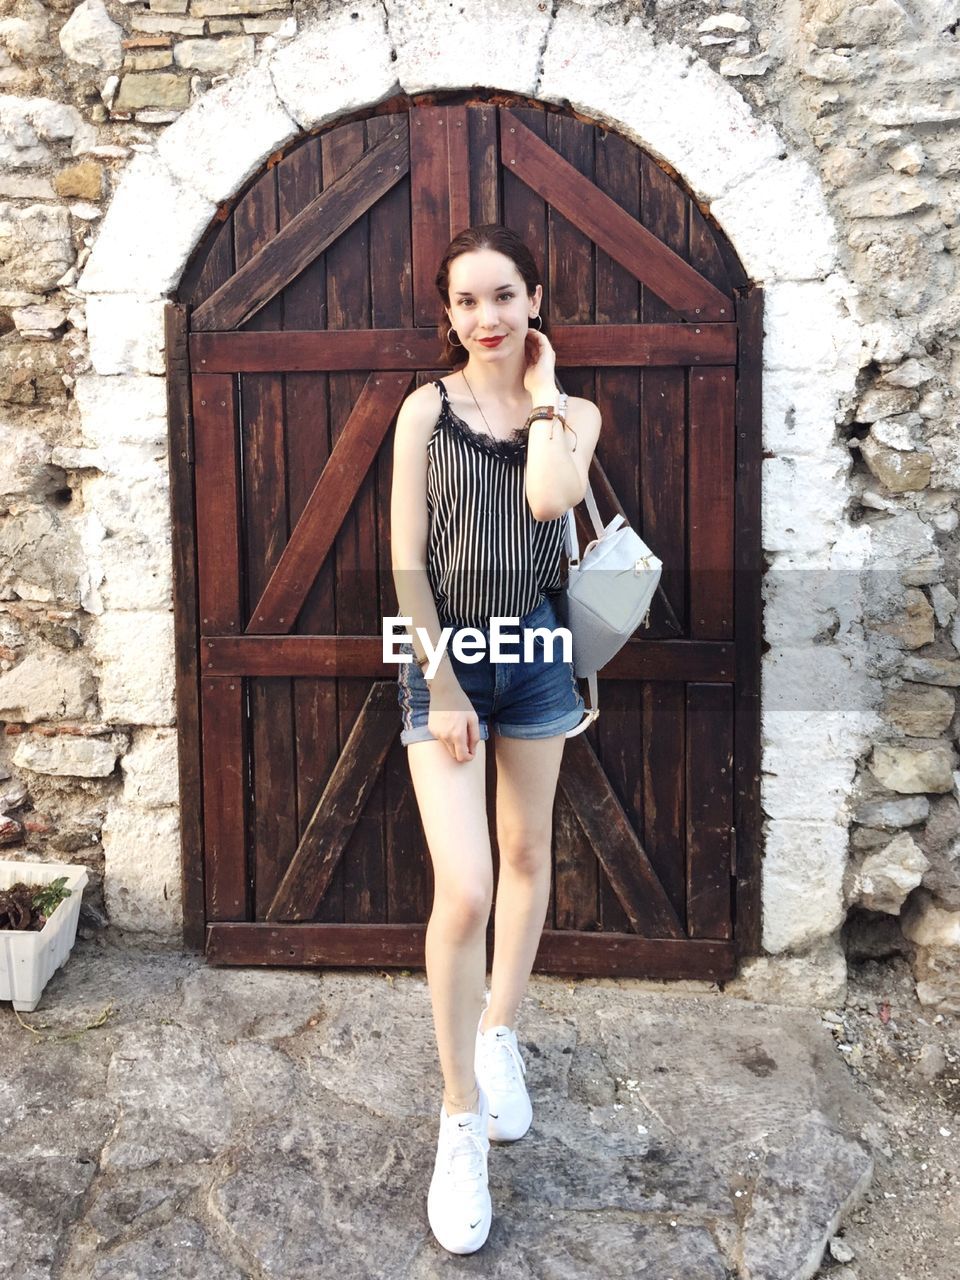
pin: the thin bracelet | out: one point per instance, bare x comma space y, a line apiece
557, 417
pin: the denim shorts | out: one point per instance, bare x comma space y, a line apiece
535, 699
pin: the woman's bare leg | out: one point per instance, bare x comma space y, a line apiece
452, 801
527, 771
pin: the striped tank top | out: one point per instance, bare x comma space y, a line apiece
486, 554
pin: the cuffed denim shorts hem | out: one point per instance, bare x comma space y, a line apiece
422, 734
550, 729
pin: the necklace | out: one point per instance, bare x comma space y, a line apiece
482, 414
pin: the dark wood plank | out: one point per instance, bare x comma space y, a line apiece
307, 431
570, 269
401, 946
186, 621
333, 495
663, 436
439, 177
748, 817
224, 755
664, 752
335, 818
211, 264
619, 730
711, 487
408, 884
273, 825
218, 501
571, 852
615, 843
356, 552
279, 259
482, 122
576, 345
609, 226
709, 810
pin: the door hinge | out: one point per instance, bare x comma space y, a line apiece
733, 851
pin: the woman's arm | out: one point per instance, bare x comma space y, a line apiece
452, 717
556, 471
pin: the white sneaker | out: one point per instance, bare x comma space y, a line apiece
458, 1202
500, 1073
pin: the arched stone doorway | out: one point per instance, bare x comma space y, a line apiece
689, 120
312, 310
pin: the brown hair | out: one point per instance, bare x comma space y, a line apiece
490, 235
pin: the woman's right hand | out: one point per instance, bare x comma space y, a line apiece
452, 719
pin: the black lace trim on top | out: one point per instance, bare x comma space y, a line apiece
511, 449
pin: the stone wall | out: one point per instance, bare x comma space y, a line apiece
821, 136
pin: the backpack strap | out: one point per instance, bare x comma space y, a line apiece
592, 712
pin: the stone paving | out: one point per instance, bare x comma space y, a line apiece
168, 1118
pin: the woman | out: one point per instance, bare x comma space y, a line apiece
483, 474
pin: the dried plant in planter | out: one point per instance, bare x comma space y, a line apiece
25, 906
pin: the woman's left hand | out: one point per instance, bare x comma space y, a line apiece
541, 362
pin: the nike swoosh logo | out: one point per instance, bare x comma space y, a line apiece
475, 1224
494, 1115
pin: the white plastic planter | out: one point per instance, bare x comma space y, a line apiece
29, 957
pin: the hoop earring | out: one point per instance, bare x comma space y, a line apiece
458, 343
539, 317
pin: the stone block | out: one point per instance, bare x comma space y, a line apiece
152, 225
316, 76
83, 181
35, 246
904, 545
809, 325
661, 95
227, 134
222, 8
798, 784
121, 410
132, 560
40, 557
817, 978
150, 769
135, 657
125, 334
800, 413
91, 37
809, 251
152, 89
214, 55
803, 868
67, 756
46, 685
912, 769
919, 712
804, 500
166, 24
885, 877
431, 42
25, 186
142, 878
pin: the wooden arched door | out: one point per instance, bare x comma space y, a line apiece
307, 314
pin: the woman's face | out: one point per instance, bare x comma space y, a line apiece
489, 305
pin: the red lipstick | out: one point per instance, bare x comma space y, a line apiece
491, 342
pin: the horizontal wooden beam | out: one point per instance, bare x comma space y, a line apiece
577, 345
402, 946
332, 656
